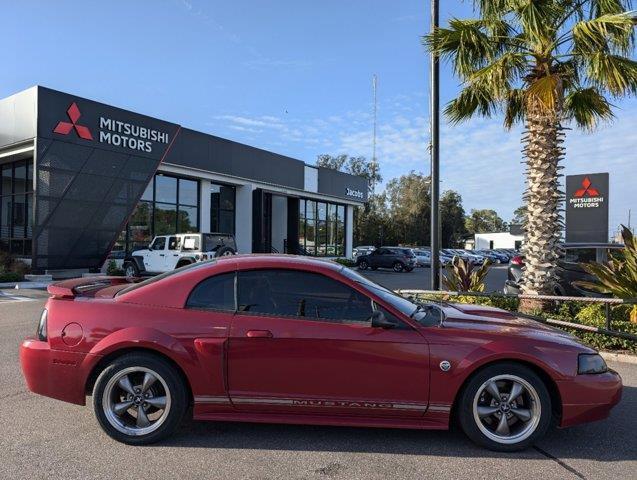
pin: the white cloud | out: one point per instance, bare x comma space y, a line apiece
479, 159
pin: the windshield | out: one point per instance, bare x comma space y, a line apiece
425, 314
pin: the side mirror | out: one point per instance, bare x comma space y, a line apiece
380, 321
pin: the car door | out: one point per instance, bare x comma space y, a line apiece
172, 253
302, 342
156, 258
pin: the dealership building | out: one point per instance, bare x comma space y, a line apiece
81, 178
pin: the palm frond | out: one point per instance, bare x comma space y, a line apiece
614, 73
609, 32
502, 72
587, 106
543, 92
606, 7
473, 99
465, 43
514, 108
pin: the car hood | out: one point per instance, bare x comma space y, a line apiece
501, 323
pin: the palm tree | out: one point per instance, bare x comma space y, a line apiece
543, 63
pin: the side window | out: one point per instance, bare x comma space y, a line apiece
191, 243
159, 243
174, 243
301, 294
214, 293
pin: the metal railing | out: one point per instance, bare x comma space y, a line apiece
607, 302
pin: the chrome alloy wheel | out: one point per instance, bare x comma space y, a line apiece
136, 401
507, 409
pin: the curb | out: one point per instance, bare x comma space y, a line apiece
619, 357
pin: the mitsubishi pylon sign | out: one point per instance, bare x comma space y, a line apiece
587, 207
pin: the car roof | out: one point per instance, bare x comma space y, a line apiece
253, 260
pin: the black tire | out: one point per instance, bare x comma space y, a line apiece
224, 252
469, 422
362, 265
131, 270
166, 374
397, 267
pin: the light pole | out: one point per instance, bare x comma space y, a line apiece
435, 156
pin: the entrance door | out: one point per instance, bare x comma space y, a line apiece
302, 342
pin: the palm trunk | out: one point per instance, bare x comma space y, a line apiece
543, 226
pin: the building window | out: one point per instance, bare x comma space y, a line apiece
321, 228
169, 205
16, 204
222, 209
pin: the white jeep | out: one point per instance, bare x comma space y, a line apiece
167, 252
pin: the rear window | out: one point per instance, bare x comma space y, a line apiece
170, 273
214, 293
211, 243
580, 255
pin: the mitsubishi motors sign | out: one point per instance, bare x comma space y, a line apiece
85, 122
587, 207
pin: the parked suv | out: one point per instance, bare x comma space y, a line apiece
167, 252
568, 268
397, 258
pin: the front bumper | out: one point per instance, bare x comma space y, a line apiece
55, 373
588, 398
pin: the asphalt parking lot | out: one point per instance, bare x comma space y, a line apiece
45, 438
420, 278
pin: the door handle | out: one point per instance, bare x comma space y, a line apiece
259, 334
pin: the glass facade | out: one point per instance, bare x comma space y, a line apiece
222, 209
169, 205
321, 228
16, 207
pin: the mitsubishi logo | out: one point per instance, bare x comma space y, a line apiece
64, 128
587, 189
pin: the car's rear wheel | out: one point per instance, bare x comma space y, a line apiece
362, 265
505, 407
131, 270
398, 267
224, 252
139, 399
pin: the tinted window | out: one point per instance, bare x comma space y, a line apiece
214, 293
174, 243
159, 243
300, 294
580, 255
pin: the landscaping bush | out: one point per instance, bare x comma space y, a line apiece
113, 270
6, 277
345, 261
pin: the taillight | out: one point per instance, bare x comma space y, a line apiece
517, 260
42, 325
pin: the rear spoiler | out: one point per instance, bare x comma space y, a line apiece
76, 286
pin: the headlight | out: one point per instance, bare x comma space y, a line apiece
591, 363
42, 325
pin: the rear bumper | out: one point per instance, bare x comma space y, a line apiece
588, 398
55, 373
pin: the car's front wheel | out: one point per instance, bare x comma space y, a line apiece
398, 267
139, 399
505, 407
362, 265
131, 270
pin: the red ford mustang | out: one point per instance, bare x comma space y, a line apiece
295, 340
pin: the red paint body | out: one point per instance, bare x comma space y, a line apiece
244, 367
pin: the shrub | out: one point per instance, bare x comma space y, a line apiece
462, 277
345, 261
113, 270
10, 277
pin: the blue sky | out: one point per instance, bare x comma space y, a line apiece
293, 77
